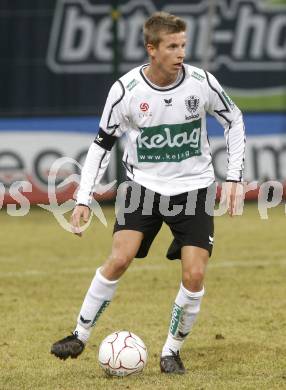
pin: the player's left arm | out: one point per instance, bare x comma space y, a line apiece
230, 117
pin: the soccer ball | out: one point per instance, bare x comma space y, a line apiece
122, 353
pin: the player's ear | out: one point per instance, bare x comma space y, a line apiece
150, 48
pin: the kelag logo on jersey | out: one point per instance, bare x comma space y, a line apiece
247, 37
169, 143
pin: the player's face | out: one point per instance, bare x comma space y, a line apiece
170, 53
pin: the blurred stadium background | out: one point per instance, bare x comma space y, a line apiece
59, 59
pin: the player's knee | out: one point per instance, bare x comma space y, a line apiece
194, 279
120, 261
198, 274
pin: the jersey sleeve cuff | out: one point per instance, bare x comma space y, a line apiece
83, 199
234, 176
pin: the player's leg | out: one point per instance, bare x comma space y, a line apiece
193, 240
186, 306
125, 245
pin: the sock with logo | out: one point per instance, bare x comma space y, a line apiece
98, 297
184, 313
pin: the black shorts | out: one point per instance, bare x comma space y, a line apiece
191, 225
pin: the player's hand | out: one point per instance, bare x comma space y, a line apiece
234, 197
79, 212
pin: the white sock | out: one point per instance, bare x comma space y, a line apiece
185, 310
96, 300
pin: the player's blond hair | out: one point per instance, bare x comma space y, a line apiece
160, 22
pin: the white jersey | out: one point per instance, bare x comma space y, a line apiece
167, 148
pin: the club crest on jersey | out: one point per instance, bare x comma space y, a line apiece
192, 103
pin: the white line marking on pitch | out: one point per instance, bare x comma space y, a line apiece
146, 267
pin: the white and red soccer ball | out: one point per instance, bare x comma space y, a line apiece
122, 353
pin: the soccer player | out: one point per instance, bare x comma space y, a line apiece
161, 109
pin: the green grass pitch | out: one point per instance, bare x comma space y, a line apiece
238, 341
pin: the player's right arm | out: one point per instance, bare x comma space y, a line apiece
110, 128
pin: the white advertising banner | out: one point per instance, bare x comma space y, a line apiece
29, 147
